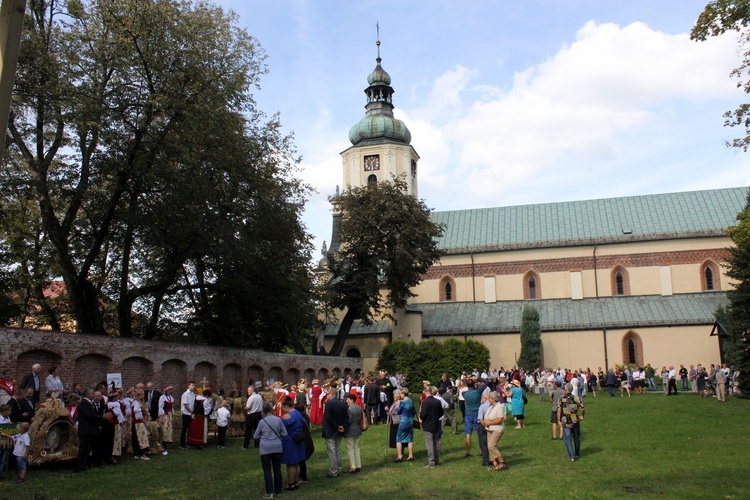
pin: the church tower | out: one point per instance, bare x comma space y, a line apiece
381, 146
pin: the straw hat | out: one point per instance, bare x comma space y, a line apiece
516, 383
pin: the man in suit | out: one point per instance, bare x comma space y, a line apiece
34, 381
371, 398
429, 416
21, 409
151, 397
335, 422
89, 422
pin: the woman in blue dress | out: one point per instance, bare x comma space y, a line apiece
516, 404
405, 434
292, 453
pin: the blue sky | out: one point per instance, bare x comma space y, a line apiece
508, 103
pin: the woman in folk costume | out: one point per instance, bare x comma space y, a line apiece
115, 407
127, 431
7, 387
198, 434
72, 407
166, 416
280, 393
357, 391
140, 429
316, 413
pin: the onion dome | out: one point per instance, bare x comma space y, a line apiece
379, 122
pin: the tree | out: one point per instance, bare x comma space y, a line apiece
387, 243
738, 311
160, 186
429, 359
719, 17
531, 339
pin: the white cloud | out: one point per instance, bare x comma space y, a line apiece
585, 109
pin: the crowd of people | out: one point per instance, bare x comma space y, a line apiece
279, 418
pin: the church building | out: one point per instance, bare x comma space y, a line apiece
628, 280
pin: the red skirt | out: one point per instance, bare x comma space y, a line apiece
198, 433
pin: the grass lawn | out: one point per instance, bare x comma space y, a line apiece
644, 446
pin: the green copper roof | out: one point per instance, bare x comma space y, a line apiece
379, 126
459, 318
379, 76
632, 218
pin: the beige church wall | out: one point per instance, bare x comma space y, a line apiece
664, 346
686, 278
509, 287
367, 344
643, 281
573, 350
408, 327
553, 285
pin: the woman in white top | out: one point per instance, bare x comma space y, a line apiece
53, 384
494, 422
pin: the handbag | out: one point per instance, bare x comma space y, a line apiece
299, 437
417, 425
364, 424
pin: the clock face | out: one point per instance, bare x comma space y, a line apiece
372, 162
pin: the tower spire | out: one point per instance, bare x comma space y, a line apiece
377, 41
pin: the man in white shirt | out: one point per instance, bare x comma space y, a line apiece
187, 405
254, 412
672, 384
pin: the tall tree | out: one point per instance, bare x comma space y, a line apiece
388, 241
156, 177
738, 312
719, 17
531, 339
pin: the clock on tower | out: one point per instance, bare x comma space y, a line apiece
372, 162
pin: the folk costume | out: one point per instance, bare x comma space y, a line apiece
117, 408
316, 409
280, 395
198, 434
139, 436
166, 416
7, 388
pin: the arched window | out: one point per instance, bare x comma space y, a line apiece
447, 289
353, 352
710, 276
620, 281
632, 349
532, 286
372, 180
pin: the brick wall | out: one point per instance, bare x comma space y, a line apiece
86, 359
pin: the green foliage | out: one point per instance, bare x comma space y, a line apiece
531, 339
429, 359
158, 185
388, 241
738, 312
719, 17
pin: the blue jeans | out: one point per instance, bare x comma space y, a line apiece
572, 437
273, 486
651, 383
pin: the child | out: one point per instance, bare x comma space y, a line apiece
222, 423
4, 440
21, 450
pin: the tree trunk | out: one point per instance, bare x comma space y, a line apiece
343, 333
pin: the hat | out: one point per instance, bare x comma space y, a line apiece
315, 381
516, 383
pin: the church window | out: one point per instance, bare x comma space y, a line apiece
620, 281
353, 352
372, 180
632, 349
447, 289
531, 286
413, 168
709, 276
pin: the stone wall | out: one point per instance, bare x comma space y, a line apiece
86, 359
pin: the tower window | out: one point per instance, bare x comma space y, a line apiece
413, 168
372, 180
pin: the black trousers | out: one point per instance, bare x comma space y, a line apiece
672, 385
84, 450
222, 435
106, 442
186, 419
251, 423
482, 433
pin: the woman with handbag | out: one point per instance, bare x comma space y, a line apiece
293, 445
270, 432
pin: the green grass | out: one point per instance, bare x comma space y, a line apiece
645, 446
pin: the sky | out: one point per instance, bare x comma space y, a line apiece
508, 102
